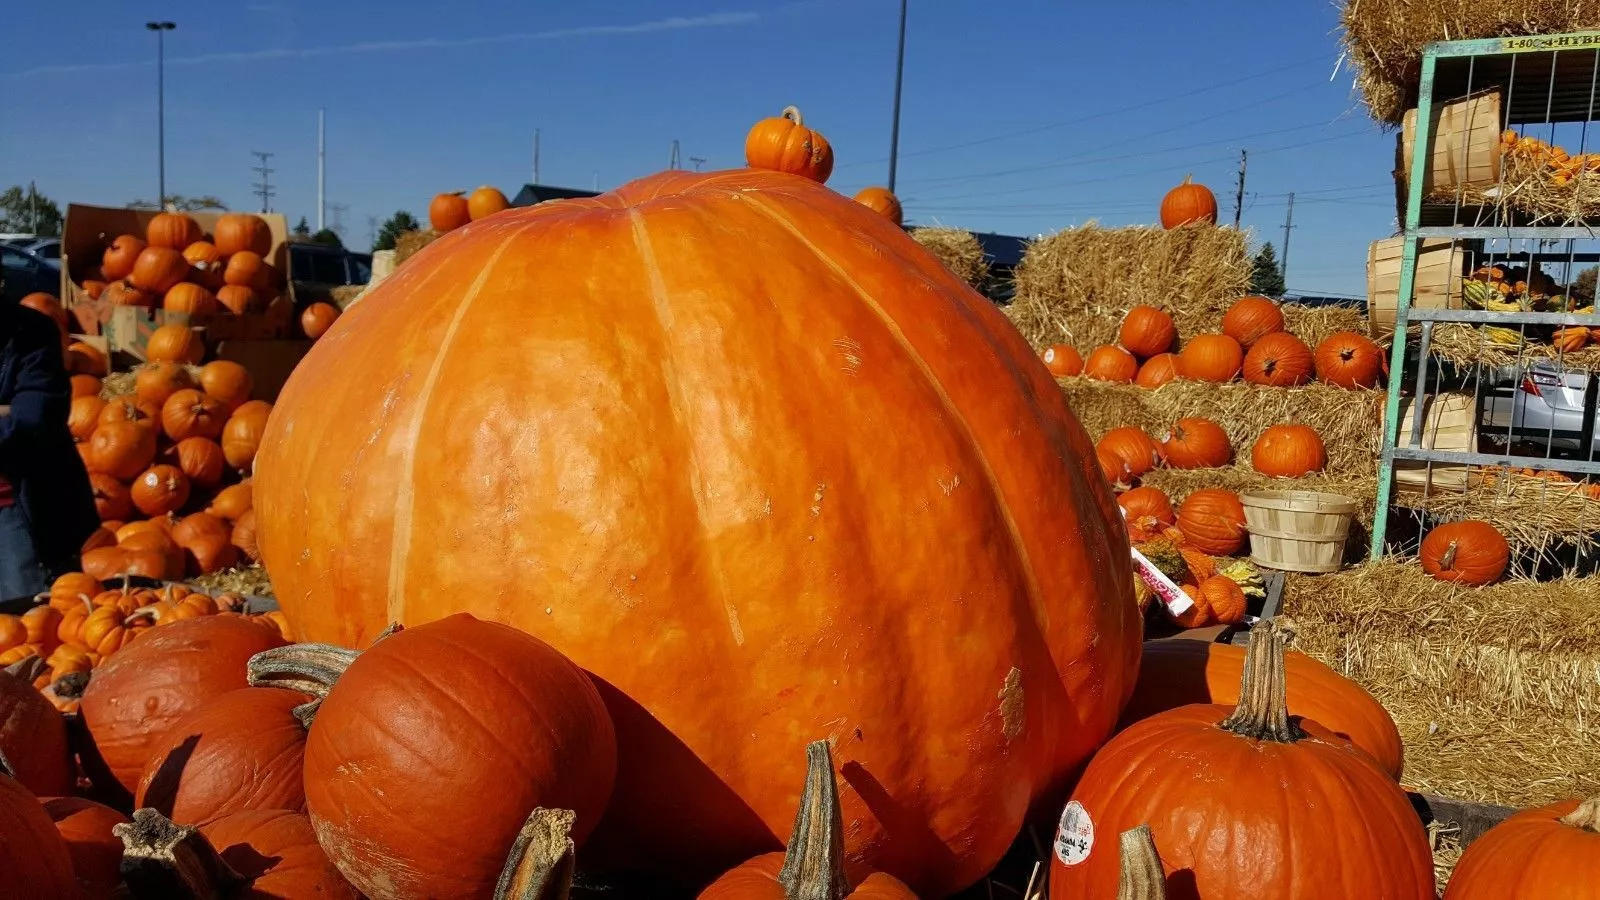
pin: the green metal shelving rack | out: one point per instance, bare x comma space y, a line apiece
1568, 68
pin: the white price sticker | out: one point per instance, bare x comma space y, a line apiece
1075, 836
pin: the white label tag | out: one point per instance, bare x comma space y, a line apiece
1075, 837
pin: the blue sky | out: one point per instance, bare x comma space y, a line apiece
1021, 117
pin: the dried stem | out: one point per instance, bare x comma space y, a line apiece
1586, 816
307, 668
792, 113
5, 766
1263, 710
161, 859
813, 863
541, 862
28, 668
1142, 875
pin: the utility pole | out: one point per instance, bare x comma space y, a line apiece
1238, 200
536, 156
673, 162
339, 209
322, 152
372, 230
161, 29
1288, 224
899, 72
33, 207
698, 162
264, 186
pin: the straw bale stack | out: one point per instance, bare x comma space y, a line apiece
959, 251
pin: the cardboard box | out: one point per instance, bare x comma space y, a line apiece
1463, 146
128, 328
1441, 267
268, 362
89, 229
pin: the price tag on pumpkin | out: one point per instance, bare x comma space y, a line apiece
1173, 597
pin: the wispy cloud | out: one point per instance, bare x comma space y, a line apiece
673, 23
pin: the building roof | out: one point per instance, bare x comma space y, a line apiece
539, 193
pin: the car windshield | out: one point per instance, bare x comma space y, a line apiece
51, 250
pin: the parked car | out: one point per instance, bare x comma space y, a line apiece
24, 272
47, 249
322, 264
1542, 406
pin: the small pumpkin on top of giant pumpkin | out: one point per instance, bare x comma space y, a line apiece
883, 202
784, 143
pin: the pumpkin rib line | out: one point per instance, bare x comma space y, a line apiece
405, 488
1030, 578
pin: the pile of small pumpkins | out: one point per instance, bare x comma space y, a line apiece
1189, 545
167, 464
453, 209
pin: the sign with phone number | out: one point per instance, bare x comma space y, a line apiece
1587, 40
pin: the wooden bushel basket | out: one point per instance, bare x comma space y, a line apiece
1298, 531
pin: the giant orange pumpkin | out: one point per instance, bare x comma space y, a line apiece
1245, 801
738, 482
882, 201
1278, 360
784, 144
242, 231
1552, 851
1187, 203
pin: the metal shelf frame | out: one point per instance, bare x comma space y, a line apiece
1570, 76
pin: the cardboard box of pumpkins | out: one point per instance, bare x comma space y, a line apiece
126, 272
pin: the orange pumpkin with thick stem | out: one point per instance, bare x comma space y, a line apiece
1138, 451
1552, 851
1278, 360
157, 381
191, 299
1349, 360
118, 260
158, 269
1197, 443
1111, 363
316, 319
1178, 673
1268, 787
175, 343
1157, 371
1466, 552
1289, 451
785, 144
1188, 203
1212, 520
242, 231
173, 231
1210, 357
1147, 501
239, 299
1063, 361
140, 692
448, 212
486, 201
1147, 331
96, 853
1250, 319
967, 396
883, 202
190, 413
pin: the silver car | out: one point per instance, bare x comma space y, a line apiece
1545, 407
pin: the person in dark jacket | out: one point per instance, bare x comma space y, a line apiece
46, 505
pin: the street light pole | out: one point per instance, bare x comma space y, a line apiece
899, 70
161, 29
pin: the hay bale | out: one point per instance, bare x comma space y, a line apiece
412, 241
1494, 689
1543, 520
1466, 346
958, 250
1362, 488
1076, 285
1384, 39
250, 579
1314, 324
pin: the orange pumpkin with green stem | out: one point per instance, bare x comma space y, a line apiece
969, 399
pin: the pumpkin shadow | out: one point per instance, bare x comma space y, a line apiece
672, 825
1181, 886
248, 861
162, 791
104, 787
915, 845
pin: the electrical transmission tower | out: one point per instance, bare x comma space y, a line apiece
264, 186
698, 162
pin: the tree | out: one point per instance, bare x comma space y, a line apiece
26, 211
398, 224
301, 228
327, 237
1581, 292
1266, 276
182, 203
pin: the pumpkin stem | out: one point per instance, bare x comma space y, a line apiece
792, 113
28, 668
163, 859
541, 861
1263, 710
1448, 560
71, 685
5, 766
307, 668
1586, 816
1142, 876
813, 863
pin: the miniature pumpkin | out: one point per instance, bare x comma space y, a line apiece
86, 386
1147, 501
96, 853
1177, 673
189, 413
883, 202
812, 865
227, 382
1218, 600
1157, 371
200, 459
238, 751
123, 293
156, 381
785, 144
1349, 360
1147, 331
964, 391
191, 299
1188, 203
1212, 520
448, 212
83, 416
36, 860
252, 855
172, 231
1210, 357
238, 299
1466, 552
158, 269
1197, 443
1552, 851
317, 318
137, 694
33, 738
1111, 363
70, 589
1063, 361
1267, 787
1278, 360
121, 449
241, 436
1288, 451
1250, 319
118, 260
236, 232
1139, 451
548, 725
175, 343
486, 201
